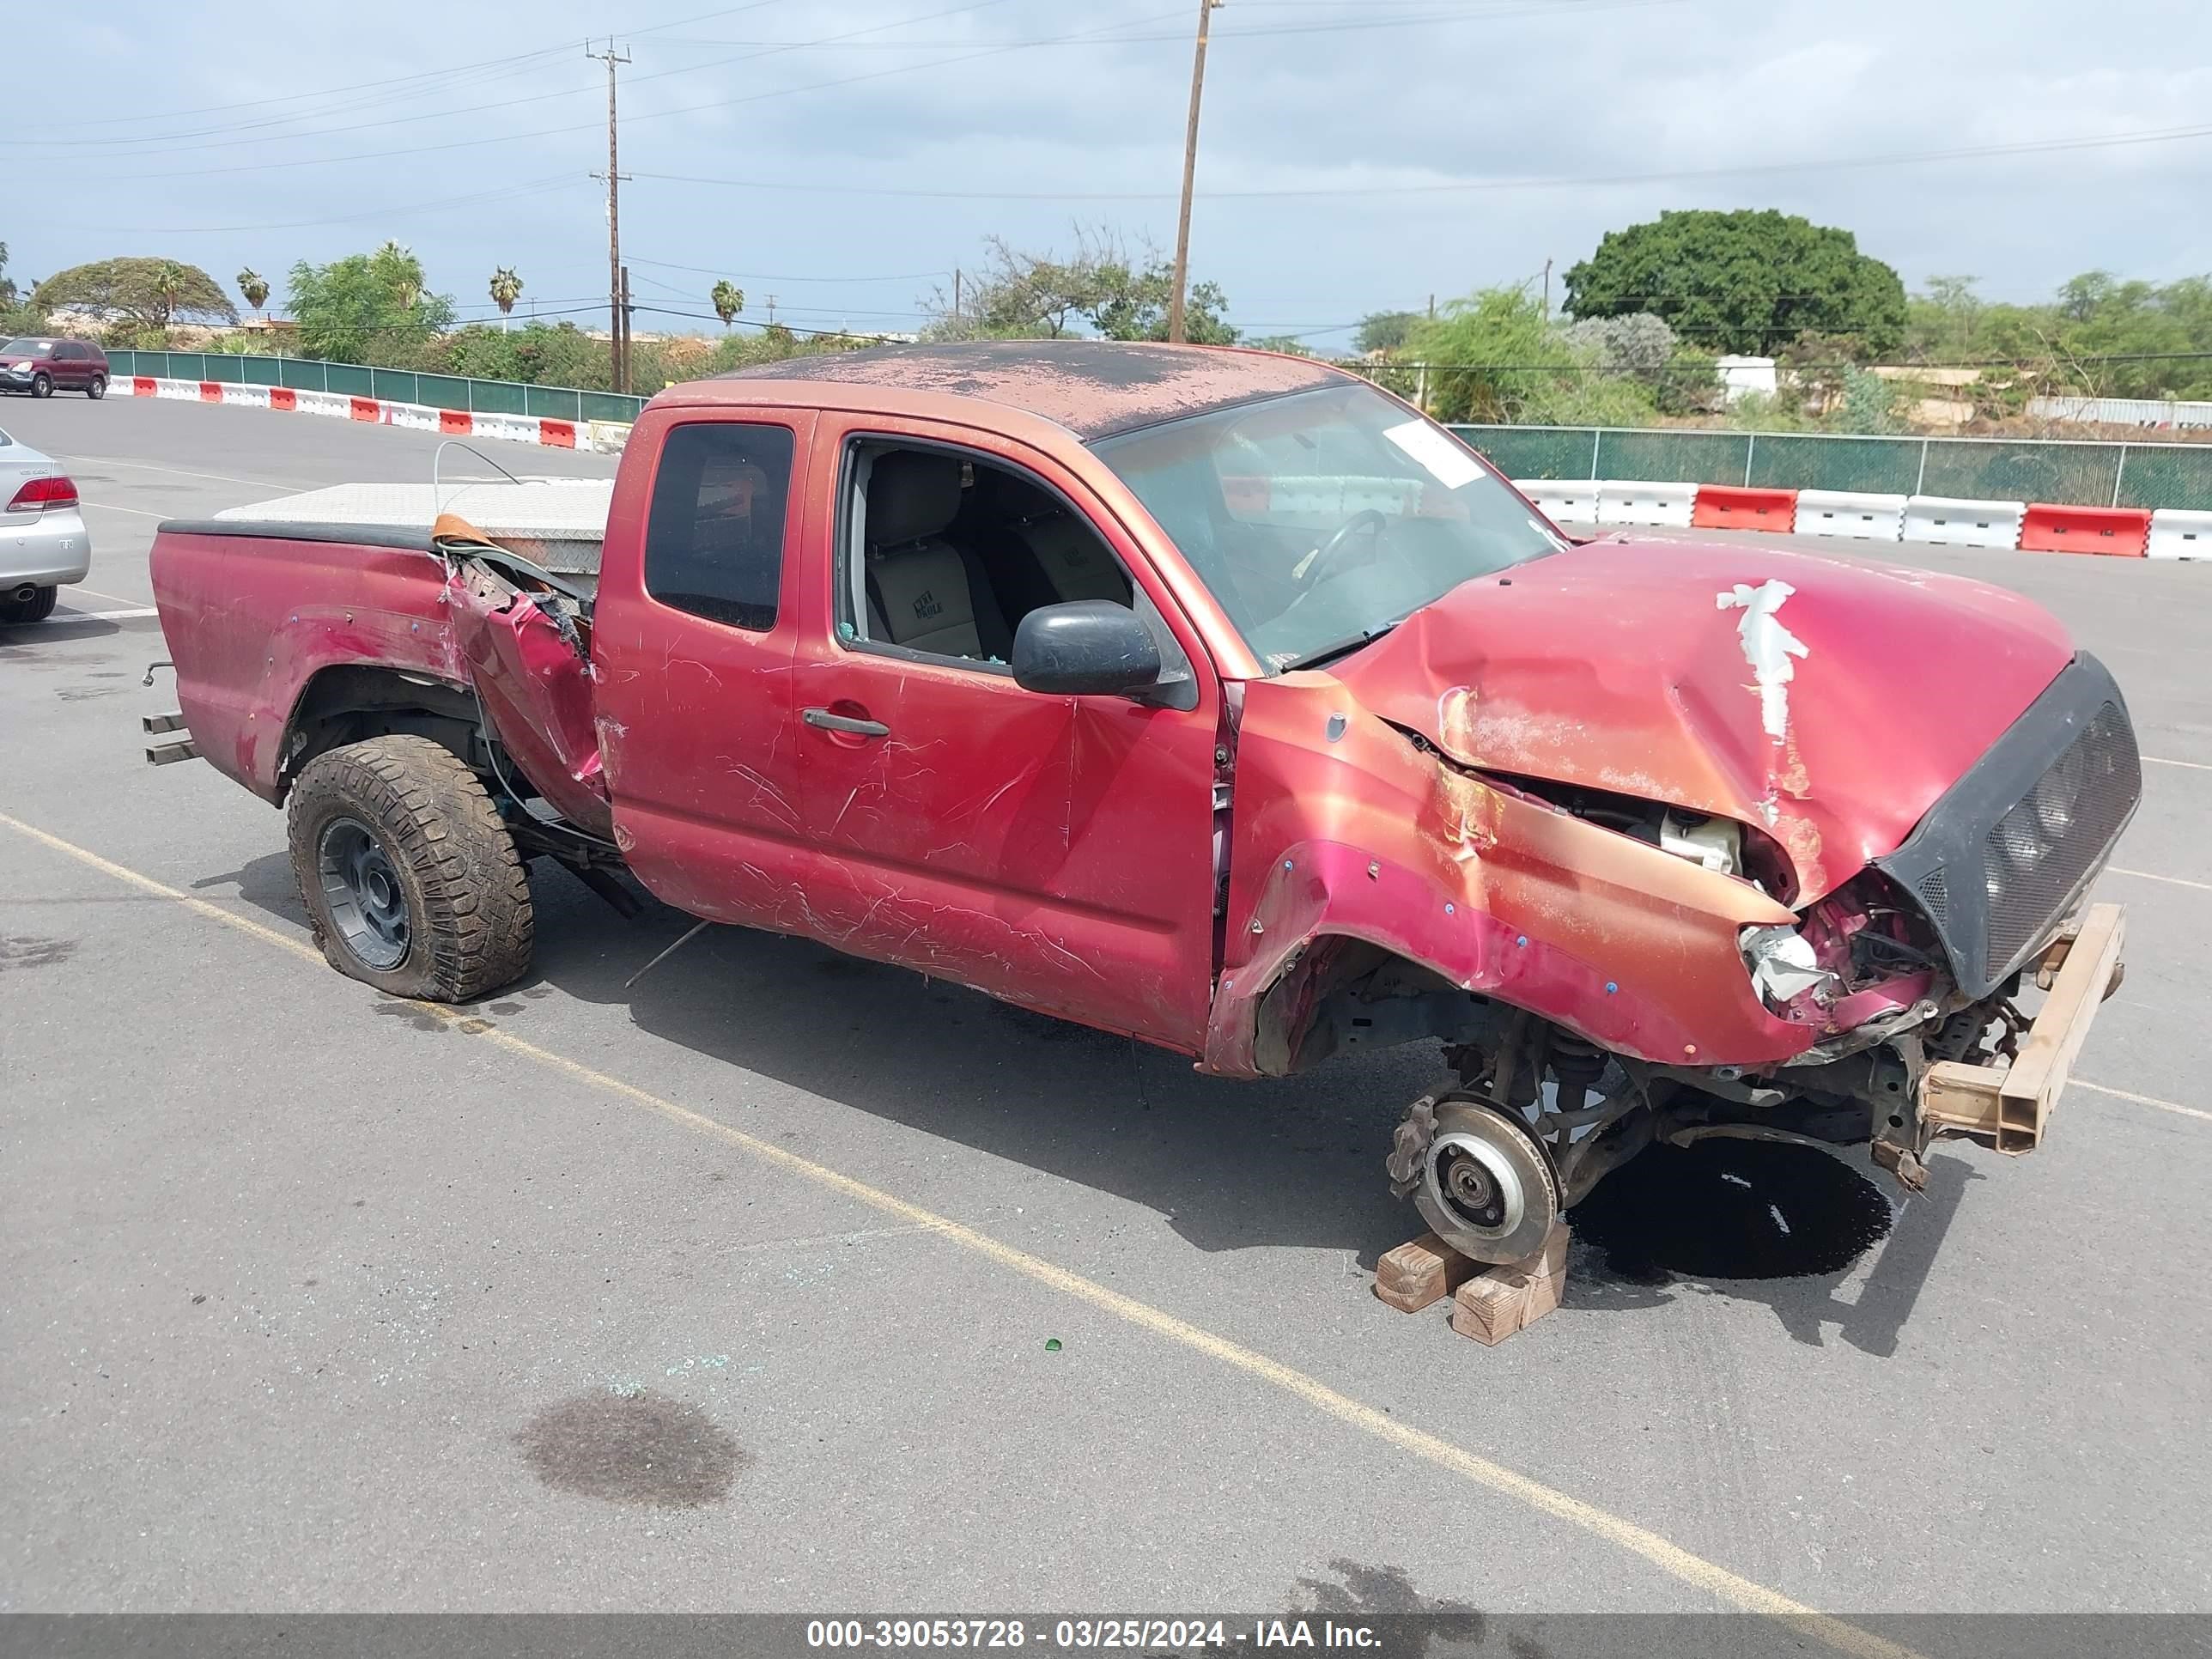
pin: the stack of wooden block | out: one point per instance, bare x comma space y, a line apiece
1488, 1304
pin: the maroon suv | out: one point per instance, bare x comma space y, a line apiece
42, 367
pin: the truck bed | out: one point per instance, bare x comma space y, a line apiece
557, 523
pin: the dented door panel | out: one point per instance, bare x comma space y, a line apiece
1054, 851
695, 717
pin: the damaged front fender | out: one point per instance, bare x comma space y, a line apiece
1364, 836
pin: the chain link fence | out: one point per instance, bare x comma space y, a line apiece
399, 385
2149, 475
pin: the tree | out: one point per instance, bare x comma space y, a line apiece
147, 293
254, 287
8, 294
1385, 330
728, 298
1745, 281
1099, 288
505, 289
367, 306
1495, 356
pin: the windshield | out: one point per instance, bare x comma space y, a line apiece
23, 348
1321, 519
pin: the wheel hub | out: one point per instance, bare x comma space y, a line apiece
366, 898
1484, 1184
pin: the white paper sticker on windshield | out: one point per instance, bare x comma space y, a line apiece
1443, 459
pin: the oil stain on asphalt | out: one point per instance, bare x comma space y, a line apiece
1732, 1209
640, 1448
21, 951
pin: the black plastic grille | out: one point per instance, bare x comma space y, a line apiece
2037, 854
1933, 895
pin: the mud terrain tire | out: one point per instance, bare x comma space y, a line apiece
411, 882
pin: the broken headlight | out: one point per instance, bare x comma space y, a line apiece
1717, 843
1783, 966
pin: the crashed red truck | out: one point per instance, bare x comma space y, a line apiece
1220, 699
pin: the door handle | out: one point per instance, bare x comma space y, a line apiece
830, 722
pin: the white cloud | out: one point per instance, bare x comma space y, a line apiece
1512, 89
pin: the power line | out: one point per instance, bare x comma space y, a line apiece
426, 75
505, 192
760, 276
475, 110
1558, 182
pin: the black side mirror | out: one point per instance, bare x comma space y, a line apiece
1086, 648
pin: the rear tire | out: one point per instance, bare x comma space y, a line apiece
411, 882
42, 385
96, 388
37, 608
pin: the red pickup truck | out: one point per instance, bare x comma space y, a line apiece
1220, 699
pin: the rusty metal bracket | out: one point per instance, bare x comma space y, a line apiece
2007, 1107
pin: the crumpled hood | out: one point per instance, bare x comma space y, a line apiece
1829, 703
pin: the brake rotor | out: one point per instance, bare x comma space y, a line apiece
1486, 1185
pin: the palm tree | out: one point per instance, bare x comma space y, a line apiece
254, 287
728, 301
169, 282
505, 289
407, 268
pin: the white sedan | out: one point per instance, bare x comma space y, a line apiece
43, 540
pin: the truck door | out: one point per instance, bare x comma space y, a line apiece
1056, 851
691, 648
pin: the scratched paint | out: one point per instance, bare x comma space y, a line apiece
1768, 646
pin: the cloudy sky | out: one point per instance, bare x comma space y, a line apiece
845, 155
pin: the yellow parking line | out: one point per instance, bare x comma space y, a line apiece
1714, 1579
2177, 881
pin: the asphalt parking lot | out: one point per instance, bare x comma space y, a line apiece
317, 1300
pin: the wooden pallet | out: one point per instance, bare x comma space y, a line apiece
1488, 1303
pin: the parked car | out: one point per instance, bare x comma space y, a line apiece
42, 367
43, 540
1220, 699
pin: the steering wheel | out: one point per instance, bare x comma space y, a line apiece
1319, 560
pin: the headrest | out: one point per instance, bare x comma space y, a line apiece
912, 493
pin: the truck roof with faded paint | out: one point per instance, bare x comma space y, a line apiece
1094, 388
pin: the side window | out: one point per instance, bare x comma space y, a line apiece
947, 552
714, 537
65, 353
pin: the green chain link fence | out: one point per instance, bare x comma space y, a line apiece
399, 386
1976, 469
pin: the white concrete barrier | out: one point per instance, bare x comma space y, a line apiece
1948, 522
608, 437
245, 396
335, 405
1670, 505
519, 428
2178, 533
1565, 500
183, 391
419, 417
1866, 517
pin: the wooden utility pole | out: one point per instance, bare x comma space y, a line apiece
956, 295
1189, 174
628, 370
1547, 290
617, 346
